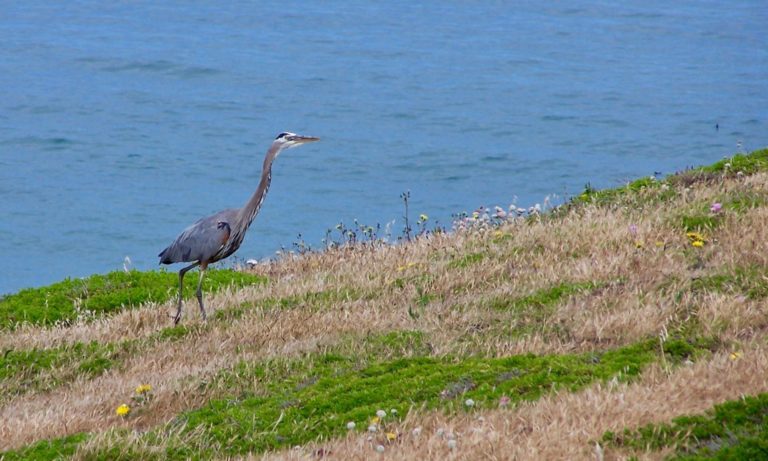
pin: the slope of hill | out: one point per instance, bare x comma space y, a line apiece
629, 322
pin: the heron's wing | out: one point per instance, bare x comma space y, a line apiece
200, 241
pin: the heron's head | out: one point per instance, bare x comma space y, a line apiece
287, 140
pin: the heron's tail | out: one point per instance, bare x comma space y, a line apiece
164, 257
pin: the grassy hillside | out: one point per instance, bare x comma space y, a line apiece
630, 322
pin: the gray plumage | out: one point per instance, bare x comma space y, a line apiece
201, 241
218, 236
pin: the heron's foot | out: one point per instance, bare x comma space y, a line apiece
176, 317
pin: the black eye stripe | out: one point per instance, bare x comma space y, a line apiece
281, 135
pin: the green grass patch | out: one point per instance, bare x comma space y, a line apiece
56, 449
35, 370
614, 195
746, 163
699, 218
103, 294
742, 202
733, 430
315, 299
541, 300
43, 369
699, 223
466, 260
649, 191
751, 281
23, 371
291, 402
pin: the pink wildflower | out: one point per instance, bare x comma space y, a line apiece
716, 207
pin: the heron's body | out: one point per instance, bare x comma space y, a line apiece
205, 241
218, 236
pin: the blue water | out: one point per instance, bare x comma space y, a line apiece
123, 122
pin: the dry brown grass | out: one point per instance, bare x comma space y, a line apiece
642, 292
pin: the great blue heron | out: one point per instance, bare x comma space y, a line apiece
217, 236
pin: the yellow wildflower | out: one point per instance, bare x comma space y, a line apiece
694, 236
391, 436
423, 217
698, 243
498, 233
123, 410
143, 388
638, 244
735, 355
375, 420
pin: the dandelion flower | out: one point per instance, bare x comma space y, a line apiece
391, 436
736, 355
698, 243
372, 428
469, 402
452, 444
351, 425
393, 411
143, 389
695, 236
380, 448
123, 410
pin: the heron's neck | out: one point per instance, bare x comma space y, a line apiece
252, 207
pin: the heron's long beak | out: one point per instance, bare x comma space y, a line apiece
299, 139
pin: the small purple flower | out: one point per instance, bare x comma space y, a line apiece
716, 207
633, 229
504, 401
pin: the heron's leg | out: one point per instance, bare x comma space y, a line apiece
200, 291
183, 271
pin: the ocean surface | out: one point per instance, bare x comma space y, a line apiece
123, 122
